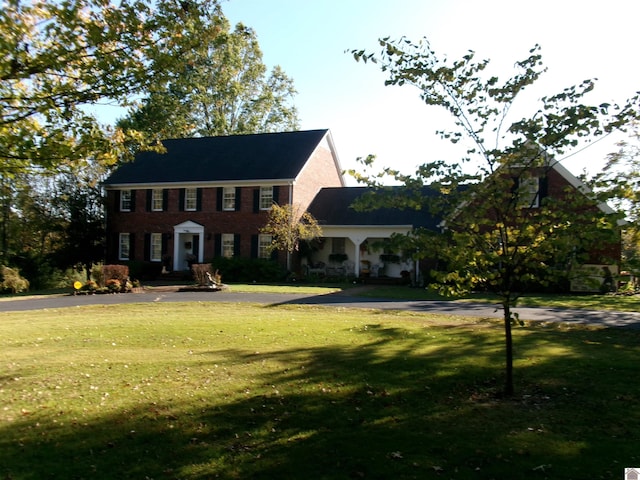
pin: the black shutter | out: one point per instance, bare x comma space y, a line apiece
256, 200
147, 247
236, 245
198, 199
133, 200
276, 194
238, 197
182, 195
165, 199
132, 245
217, 245
165, 242
118, 201
543, 186
149, 200
219, 196
254, 246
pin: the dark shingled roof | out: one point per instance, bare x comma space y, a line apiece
332, 206
264, 156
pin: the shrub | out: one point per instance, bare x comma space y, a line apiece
90, 286
239, 269
12, 281
144, 270
114, 285
115, 272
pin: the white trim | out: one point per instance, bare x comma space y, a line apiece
212, 184
186, 228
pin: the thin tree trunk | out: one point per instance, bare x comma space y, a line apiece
508, 386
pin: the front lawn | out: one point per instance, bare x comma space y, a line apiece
213, 390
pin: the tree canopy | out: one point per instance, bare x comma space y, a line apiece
220, 87
501, 231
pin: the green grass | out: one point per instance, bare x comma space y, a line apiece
200, 391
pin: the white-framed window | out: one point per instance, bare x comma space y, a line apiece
338, 245
528, 192
155, 255
190, 199
157, 202
125, 200
229, 198
264, 242
228, 245
266, 198
124, 246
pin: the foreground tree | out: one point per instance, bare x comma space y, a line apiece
220, 87
288, 225
502, 231
620, 182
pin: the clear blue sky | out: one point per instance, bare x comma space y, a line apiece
308, 39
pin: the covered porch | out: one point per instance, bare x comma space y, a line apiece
357, 252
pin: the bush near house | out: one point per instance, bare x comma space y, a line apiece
239, 269
12, 281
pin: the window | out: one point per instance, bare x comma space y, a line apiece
338, 245
227, 244
229, 198
264, 242
124, 246
528, 192
190, 199
266, 198
155, 255
157, 202
125, 200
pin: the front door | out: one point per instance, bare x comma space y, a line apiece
187, 245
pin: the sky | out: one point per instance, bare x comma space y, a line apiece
311, 41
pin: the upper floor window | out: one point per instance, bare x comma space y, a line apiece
266, 198
124, 246
125, 200
155, 255
228, 245
157, 202
529, 192
229, 198
264, 244
190, 199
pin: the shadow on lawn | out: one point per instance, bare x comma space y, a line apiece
363, 412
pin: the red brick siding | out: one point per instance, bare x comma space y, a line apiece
140, 222
319, 171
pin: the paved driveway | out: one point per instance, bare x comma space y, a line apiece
612, 319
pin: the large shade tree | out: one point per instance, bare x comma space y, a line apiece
502, 231
220, 87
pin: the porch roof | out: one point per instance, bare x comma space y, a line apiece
334, 206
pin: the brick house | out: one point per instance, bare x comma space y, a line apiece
208, 197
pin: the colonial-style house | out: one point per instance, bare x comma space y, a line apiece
208, 197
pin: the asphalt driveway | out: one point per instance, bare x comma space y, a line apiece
342, 299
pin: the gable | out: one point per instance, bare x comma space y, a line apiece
236, 158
